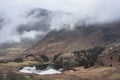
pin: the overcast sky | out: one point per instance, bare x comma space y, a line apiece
105, 9
13, 10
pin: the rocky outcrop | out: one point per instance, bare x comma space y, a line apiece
110, 56
86, 58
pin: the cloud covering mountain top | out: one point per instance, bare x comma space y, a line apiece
14, 14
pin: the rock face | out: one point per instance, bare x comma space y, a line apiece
110, 56
82, 37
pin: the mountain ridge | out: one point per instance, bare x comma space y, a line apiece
80, 38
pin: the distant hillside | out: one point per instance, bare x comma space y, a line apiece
40, 24
82, 37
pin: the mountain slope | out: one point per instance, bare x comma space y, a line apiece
23, 30
82, 37
37, 24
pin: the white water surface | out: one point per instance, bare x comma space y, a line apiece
46, 71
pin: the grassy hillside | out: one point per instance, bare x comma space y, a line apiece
10, 51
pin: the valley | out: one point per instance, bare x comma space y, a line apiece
59, 40
81, 56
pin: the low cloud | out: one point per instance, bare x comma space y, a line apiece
15, 24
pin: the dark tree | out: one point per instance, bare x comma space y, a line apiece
55, 57
18, 60
119, 59
44, 57
86, 65
110, 65
82, 62
101, 63
92, 62
66, 65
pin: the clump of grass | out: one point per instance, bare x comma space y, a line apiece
115, 76
11, 64
14, 50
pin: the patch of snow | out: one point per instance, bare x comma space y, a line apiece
28, 70
49, 71
46, 71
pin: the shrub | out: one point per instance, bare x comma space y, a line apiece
39, 59
55, 57
66, 65
92, 62
4, 61
44, 57
86, 65
110, 65
41, 67
101, 63
119, 59
18, 60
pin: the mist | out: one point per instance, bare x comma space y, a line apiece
16, 24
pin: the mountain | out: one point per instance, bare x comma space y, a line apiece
62, 40
41, 26
40, 22
80, 38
